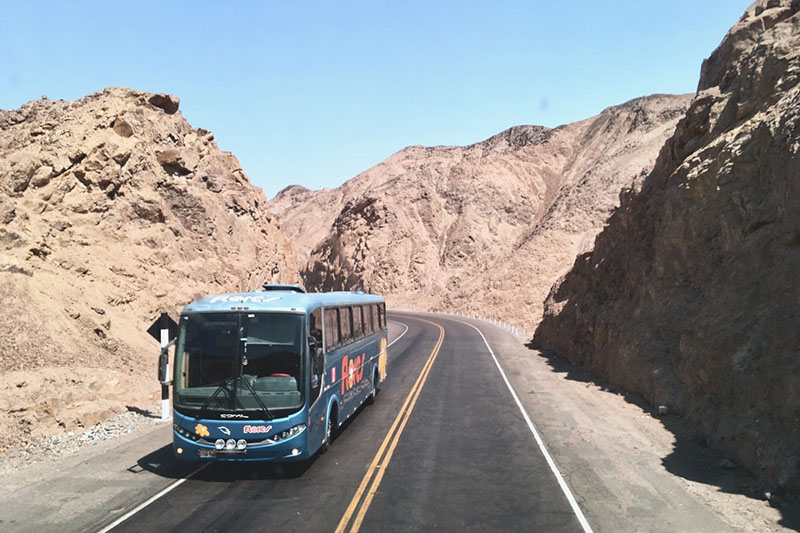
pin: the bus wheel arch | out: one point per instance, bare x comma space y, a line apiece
331, 424
375, 386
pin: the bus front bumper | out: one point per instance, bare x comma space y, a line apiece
292, 449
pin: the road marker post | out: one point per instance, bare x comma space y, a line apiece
164, 387
164, 330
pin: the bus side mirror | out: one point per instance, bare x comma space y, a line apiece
319, 361
317, 357
163, 366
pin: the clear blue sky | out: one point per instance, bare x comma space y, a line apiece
314, 93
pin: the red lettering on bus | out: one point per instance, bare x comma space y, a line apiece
344, 374
351, 368
352, 371
360, 374
256, 429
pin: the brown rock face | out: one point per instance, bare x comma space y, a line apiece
113, 208
459, 227
691, 294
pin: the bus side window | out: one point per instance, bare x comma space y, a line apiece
358, 324
382, 308
345, 324
366, 312
331, 329
374, 312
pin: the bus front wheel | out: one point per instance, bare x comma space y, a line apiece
374, 392
330, 431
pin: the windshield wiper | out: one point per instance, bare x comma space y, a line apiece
258, 399
211, 398
231, 381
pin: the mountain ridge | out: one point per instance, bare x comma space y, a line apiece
457, 211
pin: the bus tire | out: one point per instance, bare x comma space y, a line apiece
330, 430
374, 392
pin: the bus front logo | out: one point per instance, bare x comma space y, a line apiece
225, 430
256, 429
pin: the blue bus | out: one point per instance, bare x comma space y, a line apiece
271, 375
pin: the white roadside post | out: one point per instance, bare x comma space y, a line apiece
164, 330
164, 387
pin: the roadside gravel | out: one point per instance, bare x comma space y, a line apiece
57, 447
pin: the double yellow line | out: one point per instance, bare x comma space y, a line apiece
378, 466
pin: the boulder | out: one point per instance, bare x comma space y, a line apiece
167, 102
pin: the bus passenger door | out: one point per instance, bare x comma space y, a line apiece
316, 381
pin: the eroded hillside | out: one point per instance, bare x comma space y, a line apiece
112, 208
690, 296
458, 228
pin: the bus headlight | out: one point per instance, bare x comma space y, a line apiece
185, 432
230, 444
219, 444
241, 444
288, 433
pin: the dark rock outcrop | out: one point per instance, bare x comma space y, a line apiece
167, 102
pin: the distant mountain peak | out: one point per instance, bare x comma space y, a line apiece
515, 138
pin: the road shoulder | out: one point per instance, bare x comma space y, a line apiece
618, 459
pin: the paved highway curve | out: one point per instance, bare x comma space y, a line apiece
444, 447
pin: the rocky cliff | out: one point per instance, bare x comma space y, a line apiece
112, 208
691, 294
457, 228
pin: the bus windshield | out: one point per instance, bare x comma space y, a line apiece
239, 362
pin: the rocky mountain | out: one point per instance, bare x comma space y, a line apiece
690, 296
112, 208
458, 228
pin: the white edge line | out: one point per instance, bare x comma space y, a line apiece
141, 506
561, 483
399, 336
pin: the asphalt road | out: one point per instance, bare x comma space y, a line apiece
444, 447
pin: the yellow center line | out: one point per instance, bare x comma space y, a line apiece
380, 462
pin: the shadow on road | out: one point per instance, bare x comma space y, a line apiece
162, 462
142, 412
227, 472
691, 458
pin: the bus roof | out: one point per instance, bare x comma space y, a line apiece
278, 300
